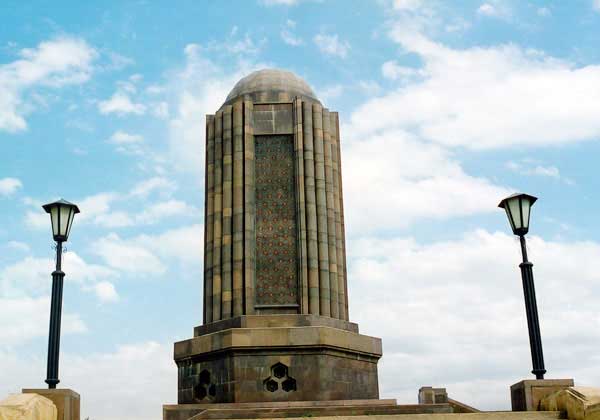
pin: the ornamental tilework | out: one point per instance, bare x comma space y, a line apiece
276, 270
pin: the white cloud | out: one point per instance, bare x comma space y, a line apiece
596, 4
487, 97
149, 254
185, 244
369, 88
408, 180
407, 4
487, 10
19, 246
54, 63
121, 104
527, 167
127, 257
30, 276
106, 292
9, 185
455, 315
393, 71
288, 36
148, 186
130, 144
331, 45
331, 92
161, 210
121, 137
24, 318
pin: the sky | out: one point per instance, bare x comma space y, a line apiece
445, 108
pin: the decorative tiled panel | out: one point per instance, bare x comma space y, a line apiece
276, 262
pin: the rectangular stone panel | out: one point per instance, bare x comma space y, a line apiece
276, 226
273, 119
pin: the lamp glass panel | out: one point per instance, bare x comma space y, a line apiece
64, 219
510, 219
515, 212
54, 220
526, 205
71, 217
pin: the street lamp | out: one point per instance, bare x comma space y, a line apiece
62, 214
518, 209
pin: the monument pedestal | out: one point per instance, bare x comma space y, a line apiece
270, 358
527, 394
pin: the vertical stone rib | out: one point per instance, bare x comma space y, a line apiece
301, 206
209, 189
238, 209
331, 238
324, 291
311, 210
217, 230
249, 210
343, 229
338, 222
227, 213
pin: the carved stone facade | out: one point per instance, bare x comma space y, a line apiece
275, 286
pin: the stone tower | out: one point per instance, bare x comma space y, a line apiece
276, 324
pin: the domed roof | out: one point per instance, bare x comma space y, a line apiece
267, 85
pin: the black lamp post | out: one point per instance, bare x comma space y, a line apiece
518, 209
62, 214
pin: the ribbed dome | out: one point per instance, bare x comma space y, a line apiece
268, 84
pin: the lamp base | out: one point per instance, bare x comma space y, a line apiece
527, 394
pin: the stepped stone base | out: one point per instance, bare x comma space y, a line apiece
349, 408
277, 358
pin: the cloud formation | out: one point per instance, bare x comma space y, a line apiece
332, 45
487, 97
52, 64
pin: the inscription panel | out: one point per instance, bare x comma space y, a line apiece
276, 262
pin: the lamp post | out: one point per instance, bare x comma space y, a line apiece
61, 215
518, 209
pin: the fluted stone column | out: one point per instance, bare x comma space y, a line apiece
218, 214
331, 239
249, 210
209, 216
324, 290
338, 222
301, 204
226, 278
311, 210
238, 209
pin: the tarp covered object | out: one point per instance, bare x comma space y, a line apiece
27, 407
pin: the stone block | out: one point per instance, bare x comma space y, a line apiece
430, 395
67, 401
527, 394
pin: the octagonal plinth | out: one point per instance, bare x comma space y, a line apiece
278, 362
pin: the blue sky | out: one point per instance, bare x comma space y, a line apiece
444, 107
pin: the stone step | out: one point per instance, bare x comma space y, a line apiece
321, 411
405, 414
